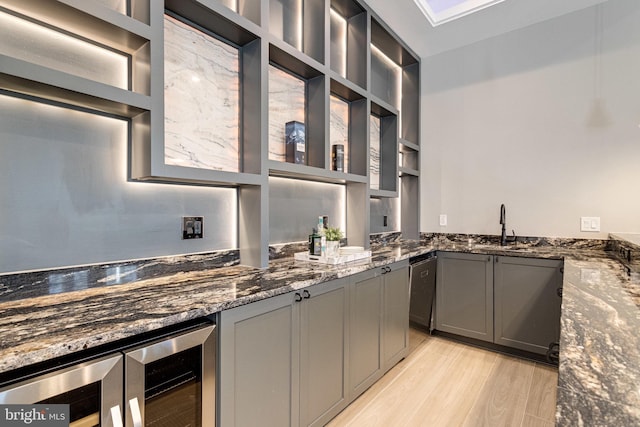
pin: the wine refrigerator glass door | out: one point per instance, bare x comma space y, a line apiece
172, 382
93, 391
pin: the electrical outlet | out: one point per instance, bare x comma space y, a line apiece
443, 220
192, 227
590, 223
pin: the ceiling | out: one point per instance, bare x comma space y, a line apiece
406, 18
442, 11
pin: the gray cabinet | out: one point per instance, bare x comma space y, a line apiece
464, 295
506, 300
258, 345
395, 318
282, 360
365, 331
527, 302
323, 332
298, 359
379, 324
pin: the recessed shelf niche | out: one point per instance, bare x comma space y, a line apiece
250, 9
117, 5
52, 48
339, 131
287, 103
201, 98
374, 152
299, 23
296, 93
383, 152
348, 48
395, 78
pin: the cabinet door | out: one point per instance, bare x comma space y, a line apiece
258, 363
464, 295
365, 322
323, 335
527, 304
395, 318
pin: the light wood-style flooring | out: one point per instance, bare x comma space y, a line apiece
443, 383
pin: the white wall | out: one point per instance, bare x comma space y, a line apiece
543, 119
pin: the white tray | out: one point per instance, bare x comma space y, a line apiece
341, 259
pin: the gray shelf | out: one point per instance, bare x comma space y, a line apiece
309, 173
403, 171
216, 18
41, 82
379, 194
408, 146
326, 43
89, 20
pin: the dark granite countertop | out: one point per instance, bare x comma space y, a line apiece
48, 314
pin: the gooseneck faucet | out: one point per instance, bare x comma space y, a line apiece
503, 221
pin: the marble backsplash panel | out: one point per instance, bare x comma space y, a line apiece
339, 126
202, 98
286, 104
374, 153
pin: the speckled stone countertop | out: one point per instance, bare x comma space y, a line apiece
48, 314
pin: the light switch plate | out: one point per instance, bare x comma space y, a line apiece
192, 227
590, 223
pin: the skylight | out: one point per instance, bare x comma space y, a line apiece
441, 11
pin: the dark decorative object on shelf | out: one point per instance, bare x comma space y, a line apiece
337, 157
295, 143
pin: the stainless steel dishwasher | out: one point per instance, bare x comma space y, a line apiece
163, 381
423, 289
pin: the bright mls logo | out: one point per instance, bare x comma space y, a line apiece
34, 415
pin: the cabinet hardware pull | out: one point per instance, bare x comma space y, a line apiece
388, 269
306, 294
135, 412
298, 297
116, 416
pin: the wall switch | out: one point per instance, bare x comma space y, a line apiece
443, 219
192, 227
590, 223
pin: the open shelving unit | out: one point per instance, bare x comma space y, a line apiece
357, 84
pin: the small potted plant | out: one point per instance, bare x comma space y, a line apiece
333, 236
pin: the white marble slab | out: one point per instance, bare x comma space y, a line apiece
202, 98
339, 126
374, 153
286, 104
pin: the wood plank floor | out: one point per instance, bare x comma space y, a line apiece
443, 383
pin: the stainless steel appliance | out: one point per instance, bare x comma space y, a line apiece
172, 382
423, 289
167, 381
93, 390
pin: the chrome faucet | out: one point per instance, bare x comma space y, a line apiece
503, 221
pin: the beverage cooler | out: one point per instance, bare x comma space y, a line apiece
168, 381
